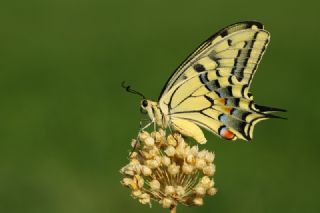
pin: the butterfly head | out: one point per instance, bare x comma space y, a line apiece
147, 106
144, 103
153, 111
143, 106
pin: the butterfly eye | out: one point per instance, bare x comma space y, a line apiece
144, 103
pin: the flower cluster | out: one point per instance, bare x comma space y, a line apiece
166, 169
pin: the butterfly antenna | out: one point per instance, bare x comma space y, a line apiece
128, 89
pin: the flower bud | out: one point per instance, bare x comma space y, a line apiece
126, 181
133, 155
206, 182
202, 154
194, 150
209, 157
171, 140
180, 191
173, 169
200, 163
146, 171
157, 136
198, 201
136, 193
169, 190
144, 198
209, 170
170, 151
166, 202
152, 164
149, 141
155, 185
212, 191
199, 190
187, 168
180, 151
190, 159
143, 135
165, 161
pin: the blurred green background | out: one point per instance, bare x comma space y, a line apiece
66, 124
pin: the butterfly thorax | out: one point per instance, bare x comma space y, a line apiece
155, 113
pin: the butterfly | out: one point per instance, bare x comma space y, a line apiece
210, 89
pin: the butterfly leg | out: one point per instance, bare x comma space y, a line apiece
146, 126
134, 146
137, 142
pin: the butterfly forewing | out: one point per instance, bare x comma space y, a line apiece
221, 38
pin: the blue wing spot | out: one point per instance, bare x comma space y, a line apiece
204, 78
223, 118
212, 85
233, 102
225, 92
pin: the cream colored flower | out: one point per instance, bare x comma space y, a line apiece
146, 171
173, 169
170, 151
209, 170
166, 202
200, 163
198, 201
187, 168
169, 190
167, 170
199, 190
149, 141
165, 161
155, 185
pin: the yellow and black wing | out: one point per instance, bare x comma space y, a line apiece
211, 87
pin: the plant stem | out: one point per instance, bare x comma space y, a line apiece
173, 209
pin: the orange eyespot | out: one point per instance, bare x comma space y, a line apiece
226, 134
227, 109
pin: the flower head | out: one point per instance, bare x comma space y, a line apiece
166, 169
